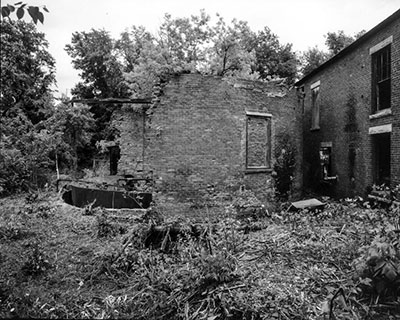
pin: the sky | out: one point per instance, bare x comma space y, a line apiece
303, 23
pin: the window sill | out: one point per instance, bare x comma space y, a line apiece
334, 178
381, 113
329, 180
257, 170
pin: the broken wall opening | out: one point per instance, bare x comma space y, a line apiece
115, 155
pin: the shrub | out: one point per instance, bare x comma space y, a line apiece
106, 228
247, 205
284, 166
378, 266
12, 232
37, 263
218, 268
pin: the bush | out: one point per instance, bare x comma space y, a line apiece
218, 268
285, 155
248, 206
13, 232
378, 266
107, 228
37, 263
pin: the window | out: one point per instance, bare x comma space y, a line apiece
315, 106
381, 79
325, 157
258, 141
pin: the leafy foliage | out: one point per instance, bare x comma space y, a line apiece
312, 59
378, 265
26, 76
335, 42
24, 156
19, 9
37, 262
180, 45
284, 166
96, 55
27, 72
93, 53
273, 58
301, 265
72, 125
247, 206
105, 227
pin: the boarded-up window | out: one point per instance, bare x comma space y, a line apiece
258, 141
381, 78
315, 106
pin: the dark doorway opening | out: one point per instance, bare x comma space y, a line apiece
115, 155
382, 158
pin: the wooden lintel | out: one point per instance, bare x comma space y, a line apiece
112, 100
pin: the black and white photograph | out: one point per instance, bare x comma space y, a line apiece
200, 160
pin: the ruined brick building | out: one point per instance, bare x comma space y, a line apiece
201, 131
343, 121
351, 115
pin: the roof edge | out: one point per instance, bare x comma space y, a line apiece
350, 47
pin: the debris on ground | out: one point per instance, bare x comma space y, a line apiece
343, 263
311, 204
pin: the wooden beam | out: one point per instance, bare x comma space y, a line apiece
112, 100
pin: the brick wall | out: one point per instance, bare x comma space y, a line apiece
395, 137
130, 122
195, 133
345, 95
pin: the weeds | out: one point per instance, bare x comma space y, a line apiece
301, 265
106, 228
13, 232
37, 262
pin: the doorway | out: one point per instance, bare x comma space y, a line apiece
381, 150
115, 155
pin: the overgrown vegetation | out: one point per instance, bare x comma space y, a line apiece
40, 137
284, 166
342, 262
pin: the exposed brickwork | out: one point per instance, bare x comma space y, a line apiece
130, 122
195, 133
345, 93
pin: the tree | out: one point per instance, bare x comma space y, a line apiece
131, 45
183, 40
145, 61
273, 58
232, 52
72, 124
195, 45
27, 71
312, 59
179, 46
94, 54
337, 41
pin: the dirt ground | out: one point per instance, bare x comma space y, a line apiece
57, 262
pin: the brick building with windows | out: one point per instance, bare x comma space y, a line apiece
201, 131
351, 115
343, 120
